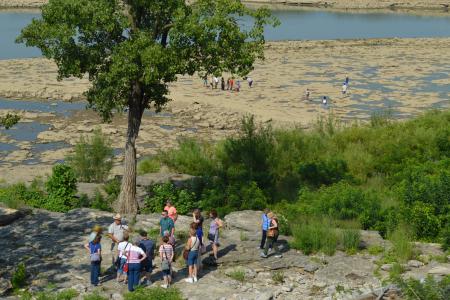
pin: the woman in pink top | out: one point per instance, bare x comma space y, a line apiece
135, 255
171, 210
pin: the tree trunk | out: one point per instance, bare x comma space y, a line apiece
127, 203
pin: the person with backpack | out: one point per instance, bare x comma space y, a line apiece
95, 255
135, 255
166, 254
148, 247
272, 237
192, 249
121, 258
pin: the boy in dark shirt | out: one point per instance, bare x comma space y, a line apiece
148, 247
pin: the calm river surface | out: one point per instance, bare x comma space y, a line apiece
295, 25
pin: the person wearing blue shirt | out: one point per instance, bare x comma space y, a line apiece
265, 226
95, 253
147, 265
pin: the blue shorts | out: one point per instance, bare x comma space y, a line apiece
192, 257
166, 272
123, 260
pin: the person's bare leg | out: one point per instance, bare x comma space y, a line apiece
215, 250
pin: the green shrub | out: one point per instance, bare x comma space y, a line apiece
445, 236
9, 120
324, 172
314, 237
424, 220
375, 249
429, 289
237, 274
68, 294
18, 195
182, 199
101, 203
61, 188
149, 165
350, 240
112, 189
92, 159
19, 277
156, 293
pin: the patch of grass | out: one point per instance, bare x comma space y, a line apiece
149, 165
350, 240
403, 248
375, 249
429, 289
237, 274
94, 296
278, 277
315, 236
68, 294
153, 234
243, 236
181, 235
156, 293
19, 277
396, 270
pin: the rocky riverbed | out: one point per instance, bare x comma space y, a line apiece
51, 246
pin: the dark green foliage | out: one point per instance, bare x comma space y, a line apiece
149, 165
182, 199
445, 237
101, 203
61, 188
155, 293
19, 194
429, 289
323, 172
315, 236
92, 159
9, 120
19, 277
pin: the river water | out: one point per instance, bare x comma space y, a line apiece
295, 25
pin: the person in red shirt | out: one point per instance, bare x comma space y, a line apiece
171, 210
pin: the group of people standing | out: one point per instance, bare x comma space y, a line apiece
133, 258
231, 84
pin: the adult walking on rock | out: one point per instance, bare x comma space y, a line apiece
116, 232
148, 246
192, 245
95, 255
135, 256
272, 237
265, 222
166, 255
213, 235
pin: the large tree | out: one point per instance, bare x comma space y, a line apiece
131, 49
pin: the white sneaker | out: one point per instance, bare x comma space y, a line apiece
189, 280
164, 286
195, 279
278, 256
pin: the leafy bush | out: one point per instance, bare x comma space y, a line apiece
101, 203
61, 188
9, 120
17, 195
149, 165
155, 293
92, 159
19, 277
182, 199
323, 172
429, 289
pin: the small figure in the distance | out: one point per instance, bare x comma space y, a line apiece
344, 88
325, 101
307, 94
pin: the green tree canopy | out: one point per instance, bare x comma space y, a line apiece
131, 49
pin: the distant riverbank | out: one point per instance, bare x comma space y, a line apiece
336, 4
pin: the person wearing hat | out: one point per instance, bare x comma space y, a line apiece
95, 255
115, 232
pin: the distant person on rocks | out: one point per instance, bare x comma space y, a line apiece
228, 83
238, 86
198, 219
250, 82
344, 88
193, 245
325, 101
213, 235
166, 255
307, 94
122, 258
115, 232
265, 222
148, 246
205, 80
135, 256
272, 237
231, 83
171, 210
347, 80
216, 82
166, 224
95, 255
222, 84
